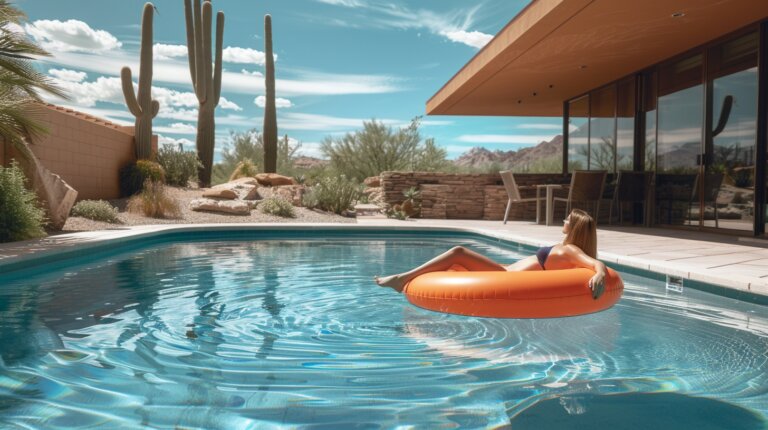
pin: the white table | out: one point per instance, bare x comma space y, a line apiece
550, 201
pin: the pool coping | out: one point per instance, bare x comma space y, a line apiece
17, 256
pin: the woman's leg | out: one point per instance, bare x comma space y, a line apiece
471, 260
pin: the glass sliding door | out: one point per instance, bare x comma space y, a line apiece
680, 134
625, 125
729, 179
649, 109
578, 134
602, 129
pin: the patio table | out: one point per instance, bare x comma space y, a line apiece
550, 201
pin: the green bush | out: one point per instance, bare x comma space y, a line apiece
20, 217
334, 193
180, 166
97, 210
135, 174
277, 206
244, 169
154, 202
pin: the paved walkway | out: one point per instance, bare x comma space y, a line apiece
738, 263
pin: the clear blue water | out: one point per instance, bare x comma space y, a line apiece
272, 334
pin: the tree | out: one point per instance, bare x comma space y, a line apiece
378, 148
20, 83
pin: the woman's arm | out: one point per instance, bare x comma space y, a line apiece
597, 282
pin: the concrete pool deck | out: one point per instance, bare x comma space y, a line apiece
736, 263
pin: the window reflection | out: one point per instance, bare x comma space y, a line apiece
578, 134
625, 125
602, 141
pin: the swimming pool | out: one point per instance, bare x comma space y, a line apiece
288, 330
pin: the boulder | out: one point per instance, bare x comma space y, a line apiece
243, 181
252, 194
220, 193
292, 193
223, 206
273, 179
373, 181
55, 194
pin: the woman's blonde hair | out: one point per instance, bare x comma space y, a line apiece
583, 232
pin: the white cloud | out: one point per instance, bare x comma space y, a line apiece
68, 75
232, 54
254, 73
177, 72
310, 149
345, 3
472, 38
435, 122
86, 94
454, 26
70, 36
307, 121
161, 51
261, 101
504, 138
541, 126
167, 112
228, 104
177, 128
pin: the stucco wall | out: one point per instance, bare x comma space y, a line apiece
87, 152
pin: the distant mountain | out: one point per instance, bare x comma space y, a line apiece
479, 157
304, 162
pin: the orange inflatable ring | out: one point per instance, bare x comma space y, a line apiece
528, 294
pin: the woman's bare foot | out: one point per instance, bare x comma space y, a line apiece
396, 282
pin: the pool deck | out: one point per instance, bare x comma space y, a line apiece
736, 263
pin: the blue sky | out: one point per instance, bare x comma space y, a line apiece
338, 63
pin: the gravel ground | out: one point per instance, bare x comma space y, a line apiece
184, 196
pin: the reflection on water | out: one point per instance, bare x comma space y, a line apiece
295, 333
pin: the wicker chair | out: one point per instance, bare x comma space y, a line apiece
631, 187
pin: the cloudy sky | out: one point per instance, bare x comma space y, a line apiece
338, 63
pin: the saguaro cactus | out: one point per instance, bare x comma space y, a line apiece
270, 112
142, 107
207, 82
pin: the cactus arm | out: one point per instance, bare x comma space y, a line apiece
145, 57
199, 54
155, 108
128, 93
207, 47
191, 41
217, 67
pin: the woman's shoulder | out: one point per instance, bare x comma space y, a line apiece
568, 248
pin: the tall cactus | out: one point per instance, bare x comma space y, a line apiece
270, 112
142, 107
207, 82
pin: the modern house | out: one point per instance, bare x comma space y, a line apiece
677, 88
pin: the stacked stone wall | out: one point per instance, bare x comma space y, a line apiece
467, 196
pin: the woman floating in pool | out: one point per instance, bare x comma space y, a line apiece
578, 249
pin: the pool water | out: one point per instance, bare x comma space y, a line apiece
294, 333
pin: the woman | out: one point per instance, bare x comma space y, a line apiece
578, 249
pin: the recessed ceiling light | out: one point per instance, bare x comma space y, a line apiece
583, 66
519, 101
678, 14
551, 86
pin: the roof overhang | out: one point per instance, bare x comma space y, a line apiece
555, 50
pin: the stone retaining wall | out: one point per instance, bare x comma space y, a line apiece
467, 196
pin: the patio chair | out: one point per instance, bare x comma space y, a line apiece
513, 194
631, 187
712, 183
673, 196
586, 186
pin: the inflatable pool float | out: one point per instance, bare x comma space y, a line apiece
528, 294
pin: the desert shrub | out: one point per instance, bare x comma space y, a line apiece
378, 148
249, 145
277, 206
97, 210
244, 169
154, 202
20, 216
333, 193
135, 174
180, 166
